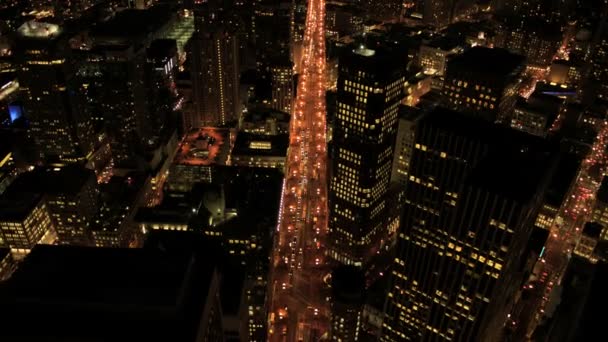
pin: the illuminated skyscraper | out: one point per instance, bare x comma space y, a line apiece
173, 295
474, 191
214, 58
370, 88
71, 197
281, 75
272, 25
57, 125
118, 82
24, 221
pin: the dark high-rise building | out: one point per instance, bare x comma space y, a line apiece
214, 63
473, 195
347, 300
117, 83
57, 125
272, 27
370, 88
484, 82
113, 224
114, 294
161, 75
70, 194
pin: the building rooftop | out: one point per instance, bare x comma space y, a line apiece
261, 114
514, 173
592, 230
161, 49
161, 215
515, 162
543, 103
131, 25
445, 43
15, 207
205, 146
65, 180
260, 145
95, 294
39, 30
475, 128
486, 61
381, 63
348, 284
409, 113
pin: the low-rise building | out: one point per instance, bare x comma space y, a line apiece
255, 150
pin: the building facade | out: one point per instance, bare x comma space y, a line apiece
214, 58
481, 88
282, 84
466, 222
404, 144
370, 89
347, 301
24, 221
57, 126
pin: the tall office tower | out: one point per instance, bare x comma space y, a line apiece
272, 28
370, 88
71, 197
586, 245
474, 192
214, 63
58, 126
120, 95
536, 114
404, 144
114, 294
24, 221
115, 75
281, 80
347, 300
161, 74
484, 82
